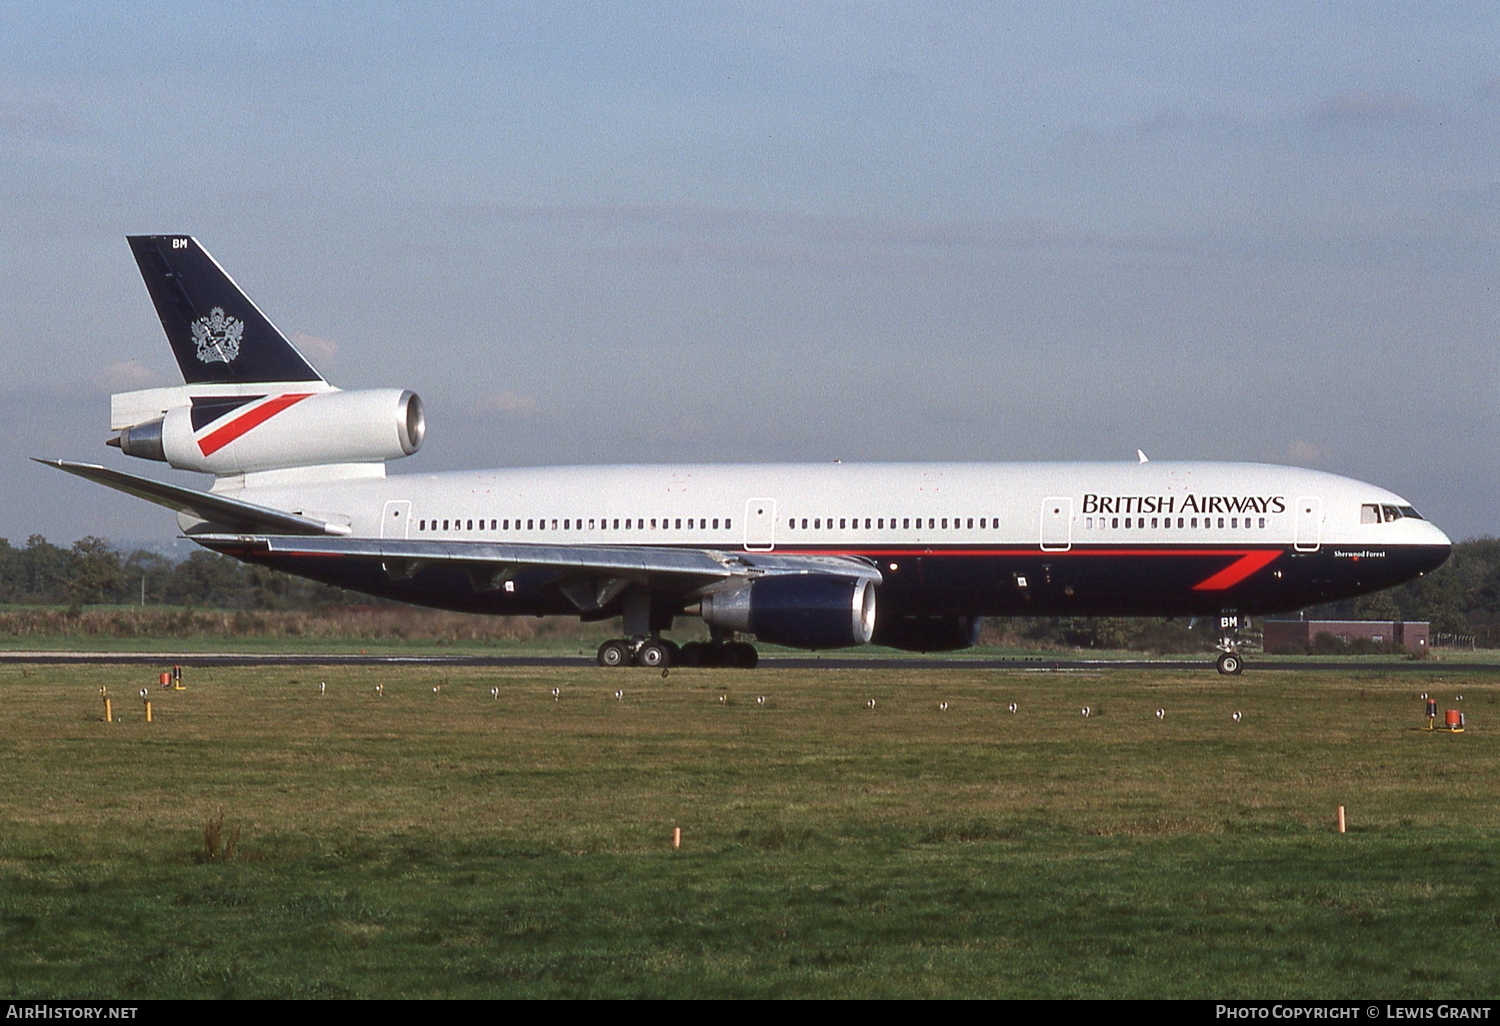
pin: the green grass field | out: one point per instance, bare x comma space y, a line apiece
449, 843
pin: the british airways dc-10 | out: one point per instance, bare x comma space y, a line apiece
813, 556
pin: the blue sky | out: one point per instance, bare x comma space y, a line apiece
640, 232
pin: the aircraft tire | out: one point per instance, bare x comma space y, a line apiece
614, 653
654, 655
1230, 664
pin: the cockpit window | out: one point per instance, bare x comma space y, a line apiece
1374, 513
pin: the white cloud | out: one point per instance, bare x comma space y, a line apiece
508, 404
124, 376
323, 352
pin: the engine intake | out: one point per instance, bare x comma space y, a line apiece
799, 611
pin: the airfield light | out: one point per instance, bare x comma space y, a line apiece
942, 707
760, 699
619, 696
1012, 707
1340, 819
1431, 711
146, 697
676, 837
322, 687
1085, 710
1236, 716
555, 693
1161, 714
495, 693
109, 712
177, 684
870, 704
379, 690
165, 679
723, 699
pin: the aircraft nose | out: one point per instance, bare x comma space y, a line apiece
1437, 548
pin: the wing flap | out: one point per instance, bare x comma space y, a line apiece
597, 573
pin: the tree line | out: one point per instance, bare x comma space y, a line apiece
92, 572
1460, 598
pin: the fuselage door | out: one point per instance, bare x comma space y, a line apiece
1057, 523
395, 518
760, 525
1309, 523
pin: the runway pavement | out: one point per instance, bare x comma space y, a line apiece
1040, 664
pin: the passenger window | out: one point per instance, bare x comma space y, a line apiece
841, 523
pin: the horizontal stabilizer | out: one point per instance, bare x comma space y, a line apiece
216, 510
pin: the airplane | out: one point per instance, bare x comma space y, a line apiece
811, 556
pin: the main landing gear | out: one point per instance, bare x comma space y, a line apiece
1230, 662
655, 653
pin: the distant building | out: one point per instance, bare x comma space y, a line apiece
1290, 636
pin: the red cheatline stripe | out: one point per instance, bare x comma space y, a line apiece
220, 437
1237, 571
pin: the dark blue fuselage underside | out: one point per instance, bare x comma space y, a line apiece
1186, 580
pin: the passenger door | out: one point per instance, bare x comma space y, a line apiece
1057, 523
760, 525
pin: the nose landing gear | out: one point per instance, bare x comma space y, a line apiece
1229, 663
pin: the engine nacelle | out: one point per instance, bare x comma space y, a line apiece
247, 434
928, 633
799, 611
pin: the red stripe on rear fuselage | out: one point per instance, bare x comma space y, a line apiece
220, 437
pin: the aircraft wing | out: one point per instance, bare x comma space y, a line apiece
591, 576
216, 509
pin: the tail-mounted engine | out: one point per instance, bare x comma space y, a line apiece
241, 434
799, 611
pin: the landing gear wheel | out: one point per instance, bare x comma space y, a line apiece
1230, 664
614, 653
654, 655
694, 653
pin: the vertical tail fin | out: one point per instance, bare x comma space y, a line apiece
217, 334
